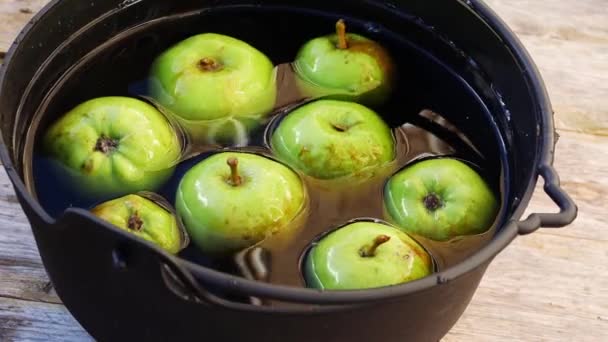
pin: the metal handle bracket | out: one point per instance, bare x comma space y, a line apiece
567, 208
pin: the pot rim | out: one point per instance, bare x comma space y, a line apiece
238, 285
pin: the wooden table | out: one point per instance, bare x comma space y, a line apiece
548, 286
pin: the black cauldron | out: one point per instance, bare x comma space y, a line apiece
120, 288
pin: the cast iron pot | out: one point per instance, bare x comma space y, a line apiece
121, 288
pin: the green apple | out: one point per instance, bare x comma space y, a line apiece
144, 218
217, 85
365, 255
233, 200
345, 66
112, 146
328, 139
440, 199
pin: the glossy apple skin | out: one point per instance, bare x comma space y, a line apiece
159, 226
468, 206
362, 73
328, 139
144, 158
242, 90
335, 263
222, 218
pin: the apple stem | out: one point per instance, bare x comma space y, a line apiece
235, 179
135, 222
209, 64
339, 128
432, 202
342, 127
105, 144
370, 251
341, 32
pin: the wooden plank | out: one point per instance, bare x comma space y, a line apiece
13, 16
25, 281
21, 272
569, 43
581, 21
31, 321
542, 287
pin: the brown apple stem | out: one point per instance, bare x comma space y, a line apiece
432, 202
209, 64
235, 179
343, 128
339, 128
135, 223
370, 251
105, 144
341, 32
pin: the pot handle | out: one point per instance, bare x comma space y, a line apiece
567, 208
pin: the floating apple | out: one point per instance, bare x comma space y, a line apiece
233, 200
144, 218
346, 66
365, 255
327, 139
112, 146
440, 199
218, 85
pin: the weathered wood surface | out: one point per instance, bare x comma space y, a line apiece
548, 286
35, 321
13, 15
